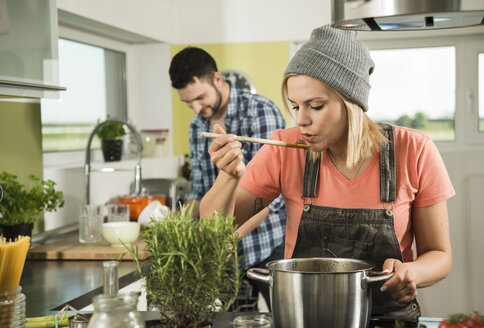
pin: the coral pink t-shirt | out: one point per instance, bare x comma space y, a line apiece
421, 180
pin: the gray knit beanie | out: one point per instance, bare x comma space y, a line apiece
338, 59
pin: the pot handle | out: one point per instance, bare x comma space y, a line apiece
259, 274
376, 276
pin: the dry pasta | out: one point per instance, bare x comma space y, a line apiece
12, 260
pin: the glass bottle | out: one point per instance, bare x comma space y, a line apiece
110, 277
12, 309
116, 311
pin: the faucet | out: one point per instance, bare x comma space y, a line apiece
137, 168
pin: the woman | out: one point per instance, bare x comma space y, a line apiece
362, 190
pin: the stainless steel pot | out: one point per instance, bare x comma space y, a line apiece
319, 292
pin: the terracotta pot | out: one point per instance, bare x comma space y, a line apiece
137, 204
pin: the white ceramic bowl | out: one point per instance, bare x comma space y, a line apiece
117, 233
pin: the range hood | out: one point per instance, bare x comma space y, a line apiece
406, 15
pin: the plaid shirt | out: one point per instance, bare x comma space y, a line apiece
247, 115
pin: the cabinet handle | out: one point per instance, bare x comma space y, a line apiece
32, 85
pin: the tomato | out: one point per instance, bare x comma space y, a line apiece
444, 324
463, 320
469, 322
477, 319
460, 325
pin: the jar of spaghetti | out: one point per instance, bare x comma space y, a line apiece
12, 309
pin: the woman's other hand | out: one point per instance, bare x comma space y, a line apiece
402, 286
225, 152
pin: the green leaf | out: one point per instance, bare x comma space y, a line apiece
24, 203
110, 131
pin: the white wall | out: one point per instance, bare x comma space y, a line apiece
463, 289
156, 19
149, 89
226, 21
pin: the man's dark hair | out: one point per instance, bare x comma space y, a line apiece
189, 63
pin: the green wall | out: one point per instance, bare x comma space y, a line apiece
264, 62
21, 140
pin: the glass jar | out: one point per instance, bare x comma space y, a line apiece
253, 321
116, 311
12, 309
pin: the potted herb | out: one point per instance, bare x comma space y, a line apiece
111, 132
23, 204
194, 271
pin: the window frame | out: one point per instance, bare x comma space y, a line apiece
77, 158
470, 54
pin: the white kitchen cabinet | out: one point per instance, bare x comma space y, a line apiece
28, 48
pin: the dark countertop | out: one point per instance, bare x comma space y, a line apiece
49, 285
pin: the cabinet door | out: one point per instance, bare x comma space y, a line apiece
28, 48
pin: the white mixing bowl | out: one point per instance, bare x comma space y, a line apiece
117, 233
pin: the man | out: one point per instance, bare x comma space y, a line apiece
200, 85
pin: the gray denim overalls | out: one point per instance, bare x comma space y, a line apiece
359, 233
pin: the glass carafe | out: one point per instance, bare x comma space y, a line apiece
116, 311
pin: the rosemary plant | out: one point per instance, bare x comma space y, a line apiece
194, 270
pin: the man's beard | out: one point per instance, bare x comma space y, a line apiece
216, 106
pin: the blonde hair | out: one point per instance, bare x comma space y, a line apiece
364, 135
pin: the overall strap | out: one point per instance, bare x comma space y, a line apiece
387, 166
311, 175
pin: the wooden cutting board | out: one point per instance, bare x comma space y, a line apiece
69, 248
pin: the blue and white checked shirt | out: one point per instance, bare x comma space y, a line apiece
247, 115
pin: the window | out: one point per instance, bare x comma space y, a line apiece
415, 88
437, 74
96, 87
